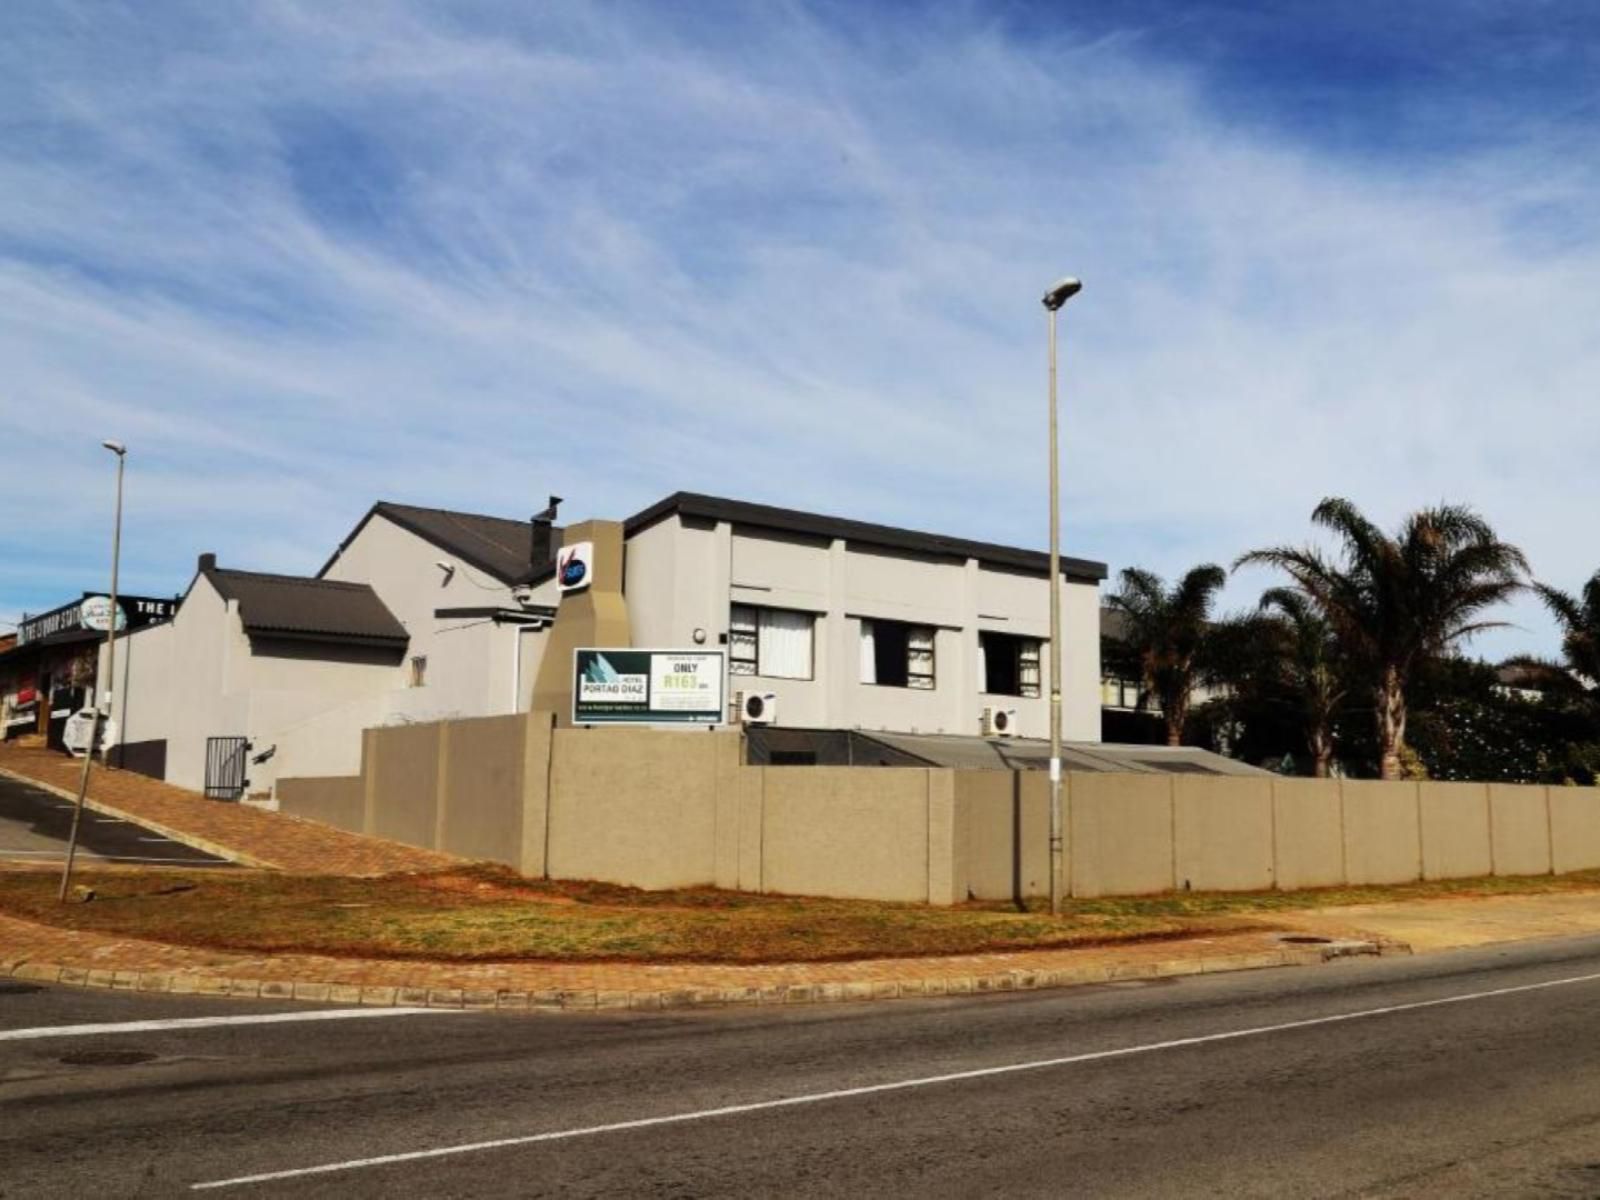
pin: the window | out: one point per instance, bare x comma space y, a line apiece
894, 654
1010, 664
418, 676
775, 642
1119, 693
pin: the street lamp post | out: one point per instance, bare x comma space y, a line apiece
102, 694
1058, 295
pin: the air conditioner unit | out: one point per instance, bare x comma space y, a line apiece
999, 722
756, 708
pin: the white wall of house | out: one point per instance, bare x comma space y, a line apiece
472, 662
142, 701
201, 676
685, 574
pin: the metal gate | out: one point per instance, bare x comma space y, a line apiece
225, 764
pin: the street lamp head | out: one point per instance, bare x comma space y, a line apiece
116, 448
1061, 292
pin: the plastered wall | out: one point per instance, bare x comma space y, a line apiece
684, 574
664, 808
338, 800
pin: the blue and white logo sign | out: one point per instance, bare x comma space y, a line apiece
574, 565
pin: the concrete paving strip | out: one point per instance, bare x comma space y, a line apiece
878, 1089
553, 997
1454, 923
328, 1014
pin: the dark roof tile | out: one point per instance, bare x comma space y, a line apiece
292, 606
498, 546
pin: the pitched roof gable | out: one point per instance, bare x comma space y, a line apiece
498, 546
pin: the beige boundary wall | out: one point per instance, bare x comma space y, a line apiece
665, 808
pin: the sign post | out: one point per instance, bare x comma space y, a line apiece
649, 687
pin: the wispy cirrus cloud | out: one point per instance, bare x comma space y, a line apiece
302, 257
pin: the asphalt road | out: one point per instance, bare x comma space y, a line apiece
34, 825
1471, 1090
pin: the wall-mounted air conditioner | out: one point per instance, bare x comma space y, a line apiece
999, 722
756, 708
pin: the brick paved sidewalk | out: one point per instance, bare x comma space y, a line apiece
248, 835
39, 952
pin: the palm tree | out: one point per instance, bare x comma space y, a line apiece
1310, 668
1579, 618
1395, 601
1164, 634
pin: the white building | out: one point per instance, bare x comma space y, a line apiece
858, 626
458, 582
248, 660
847, 625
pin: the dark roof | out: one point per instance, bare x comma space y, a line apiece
497, 546
321, 610
859, 532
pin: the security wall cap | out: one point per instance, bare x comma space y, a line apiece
1063, 291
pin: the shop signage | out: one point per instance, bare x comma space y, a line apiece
649, 687
574, 566
93, 614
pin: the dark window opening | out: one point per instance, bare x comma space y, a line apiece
889, 651
897, 655
1010, 664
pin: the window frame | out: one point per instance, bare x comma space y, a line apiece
753, 633
1025, 651
912, 652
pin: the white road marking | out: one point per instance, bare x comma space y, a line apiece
874, 1089
320, 1014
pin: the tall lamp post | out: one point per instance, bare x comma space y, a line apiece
1058, 295
102, 694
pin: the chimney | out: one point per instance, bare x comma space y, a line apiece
539, 553
208, 562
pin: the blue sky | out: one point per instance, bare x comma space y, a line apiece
303, 256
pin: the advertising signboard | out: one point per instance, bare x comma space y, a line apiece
649, 687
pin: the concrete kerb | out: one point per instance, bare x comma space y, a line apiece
166, 831
486, 999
